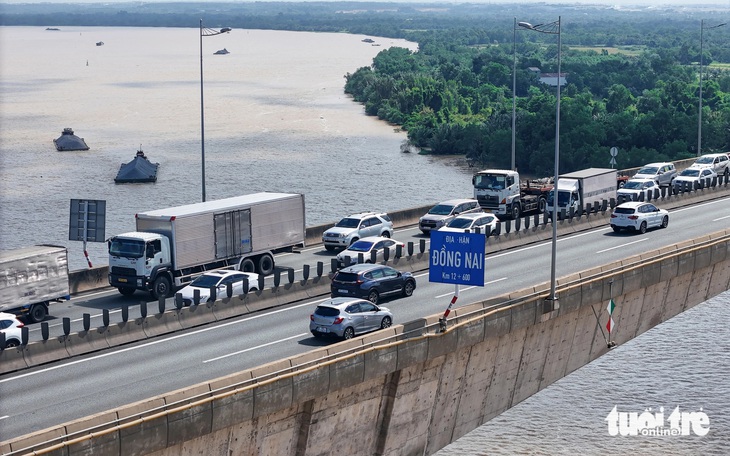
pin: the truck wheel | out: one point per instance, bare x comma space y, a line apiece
266, 264
37, 313
161, 287
126, 291
542, 205
247, 265
515, 212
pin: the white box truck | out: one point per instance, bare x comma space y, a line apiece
31, 278
581, 188
173, 246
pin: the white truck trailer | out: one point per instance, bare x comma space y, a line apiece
581, 188
173, 246
31, 278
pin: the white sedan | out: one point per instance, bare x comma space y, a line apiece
472, 223
219, 280
11, 327
366, 246
638, 216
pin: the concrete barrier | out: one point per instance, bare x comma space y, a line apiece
164, 323
53, 349
124, 332
12, 359
192, 316
86, 342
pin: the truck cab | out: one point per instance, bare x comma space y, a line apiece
568, 196
497, 190
140, 261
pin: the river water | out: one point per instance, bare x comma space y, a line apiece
276, 119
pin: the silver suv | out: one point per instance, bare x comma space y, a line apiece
663, 173
442, 213
356, 226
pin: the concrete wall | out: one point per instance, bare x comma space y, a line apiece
419, 390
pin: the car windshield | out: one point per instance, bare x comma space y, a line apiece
705, 160
348, 223
361, 246
690, 172
326, 311
460, 222
205, 281
648, 170
126, 248
633, 185
441, 209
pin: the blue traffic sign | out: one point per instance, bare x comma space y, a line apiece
457, 258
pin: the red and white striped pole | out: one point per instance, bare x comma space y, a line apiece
442, 320
86, 254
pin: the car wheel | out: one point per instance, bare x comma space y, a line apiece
373, 296
642, 228
348, 334
665, 221
316, 334
330, 248
408, 288
354, 240
386, 234
616, 229
12, 343
387, 321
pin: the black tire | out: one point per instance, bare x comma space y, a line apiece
126, 291
386, 323
349, 333
37, 313
316, 334
266, 264
408, 288
515, 211
330, 248
665, 221
161, 287
616, 229
354, 240
247, 265
373, 296
542, 204
12, 343
621, 184
642, 228
386, 234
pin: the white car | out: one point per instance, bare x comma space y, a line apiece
219, 279
638, 216
10, 326
355, 227
441, 214
635, 187
720, 163
366, 246
470, 223
689, 177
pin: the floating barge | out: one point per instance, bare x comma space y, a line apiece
139, 170
69, 141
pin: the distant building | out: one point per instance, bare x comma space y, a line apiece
551, 79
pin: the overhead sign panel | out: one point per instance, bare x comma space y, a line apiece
457, 258
87, 221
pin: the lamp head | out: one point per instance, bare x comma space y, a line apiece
225, 30
526, 25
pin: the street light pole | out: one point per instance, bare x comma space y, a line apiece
699, 112
553, 28
514, 88
204, 32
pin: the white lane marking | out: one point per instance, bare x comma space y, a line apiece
721, 218
3, 417
155, 342
623, 245
469, 288
254, 348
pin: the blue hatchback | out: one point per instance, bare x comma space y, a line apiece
372, 282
